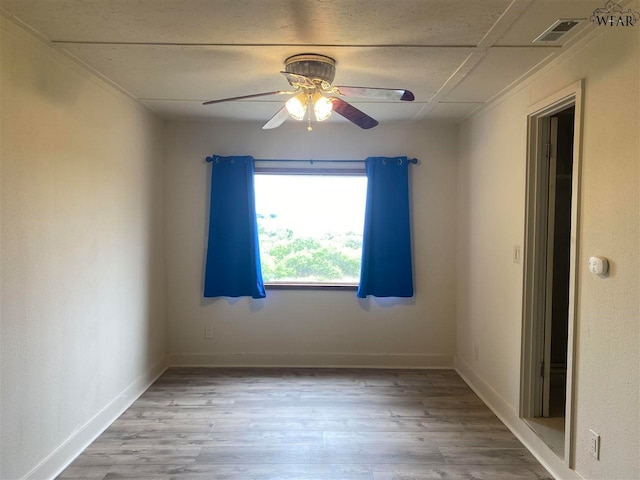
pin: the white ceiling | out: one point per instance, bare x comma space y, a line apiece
172, 55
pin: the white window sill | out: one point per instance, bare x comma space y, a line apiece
309, 286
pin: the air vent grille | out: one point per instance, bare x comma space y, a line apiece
558, 30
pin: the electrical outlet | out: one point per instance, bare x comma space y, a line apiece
594, 444
208, 332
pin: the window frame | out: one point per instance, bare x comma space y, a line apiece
282, 169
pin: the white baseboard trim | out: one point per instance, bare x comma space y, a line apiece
73, 446
335, 360
505, 412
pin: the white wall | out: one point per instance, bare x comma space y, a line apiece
82, 318
312, 327
491, 211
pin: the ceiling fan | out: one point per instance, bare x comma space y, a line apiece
311, 75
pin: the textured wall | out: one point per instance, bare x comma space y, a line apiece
312, 327
82, 254
491, 205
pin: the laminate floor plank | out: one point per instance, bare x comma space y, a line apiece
457, 472
306, 424
389, 424
78, 471
238, 471
329, 455
417, 439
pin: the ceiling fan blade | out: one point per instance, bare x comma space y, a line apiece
381, 93
243, 97
299, 81
352, 114
277, 120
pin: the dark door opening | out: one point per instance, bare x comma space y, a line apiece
560, 191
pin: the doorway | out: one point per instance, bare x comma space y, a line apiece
558, 262
549, 274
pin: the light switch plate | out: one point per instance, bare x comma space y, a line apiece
594, 444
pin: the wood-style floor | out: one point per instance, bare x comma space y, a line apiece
307, 424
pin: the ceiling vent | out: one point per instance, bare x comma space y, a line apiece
558, 30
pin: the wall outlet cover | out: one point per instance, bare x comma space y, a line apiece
208, 332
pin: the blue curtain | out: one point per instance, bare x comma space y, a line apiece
233, 256
385, 270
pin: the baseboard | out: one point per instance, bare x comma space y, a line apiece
61, 457
506, 413
310, 360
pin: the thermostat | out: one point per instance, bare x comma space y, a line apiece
598, 265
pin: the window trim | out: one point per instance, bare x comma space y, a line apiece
338, 172
310, 170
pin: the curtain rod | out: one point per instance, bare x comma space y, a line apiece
311, 161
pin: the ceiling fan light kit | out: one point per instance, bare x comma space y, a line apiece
299, 105
311, 76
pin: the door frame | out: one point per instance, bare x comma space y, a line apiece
535, 241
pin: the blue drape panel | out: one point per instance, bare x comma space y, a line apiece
233, 255
386, 270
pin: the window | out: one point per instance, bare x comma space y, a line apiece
310, 227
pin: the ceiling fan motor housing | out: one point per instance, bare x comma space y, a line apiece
312, 65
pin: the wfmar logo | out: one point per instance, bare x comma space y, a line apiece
613, 15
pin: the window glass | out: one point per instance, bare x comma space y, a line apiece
310, 227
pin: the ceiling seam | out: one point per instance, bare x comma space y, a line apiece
575, 44
242, 45
515, 9
14, 23
319, 45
